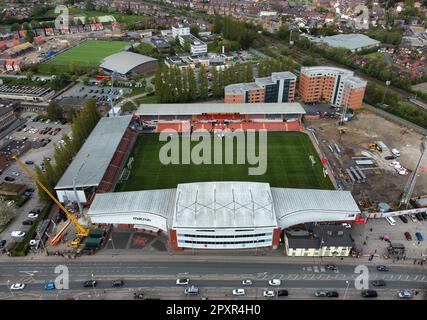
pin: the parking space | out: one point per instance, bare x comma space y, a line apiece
99, 93
371, 233
135, 240
34, 156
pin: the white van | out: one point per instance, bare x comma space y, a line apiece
391, 221
395, 152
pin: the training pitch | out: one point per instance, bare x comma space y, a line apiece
288, 166
87, 54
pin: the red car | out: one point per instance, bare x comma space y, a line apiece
408, 236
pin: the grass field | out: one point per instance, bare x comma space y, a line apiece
288, 165
88, 54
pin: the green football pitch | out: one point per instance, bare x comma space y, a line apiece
87, 54
289, 165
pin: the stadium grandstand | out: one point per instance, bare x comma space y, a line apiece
97, 165
222, 215
221, 116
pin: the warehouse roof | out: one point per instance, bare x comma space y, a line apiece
223, 205
295, 206
156, 202
200, 108
100, 146
352, 41
124, 61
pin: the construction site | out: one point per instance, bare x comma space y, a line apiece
372, 157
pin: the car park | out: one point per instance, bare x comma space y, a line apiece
117, 283
49, 286
268, 293
275, 282
247, 282
17, 234
17, 286
403, 218
408, 236
378, 283
405, 294
419, 236
89, 283
382, 268
239, 292
369, 294
182, 282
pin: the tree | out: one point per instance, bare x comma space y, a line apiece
187, 44
249, 72
158, 81
43, 196
54, 111
194, 30
192, 86
203, 82
52, 69
6, 212
89, 5
72, 68
26, 26
29, 75
38, 11
29, 36
85, 79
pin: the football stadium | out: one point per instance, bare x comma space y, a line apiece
119, 176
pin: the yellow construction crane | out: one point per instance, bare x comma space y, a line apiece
81, 231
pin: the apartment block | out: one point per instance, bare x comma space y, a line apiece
336, 86
180, 30
197, 46
279, 87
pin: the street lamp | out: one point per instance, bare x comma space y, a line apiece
8, 286
346, 289
93, 286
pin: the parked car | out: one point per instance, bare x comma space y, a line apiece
332, 294
419, 216
419, 236
382, 268
405, 294
2, 244
29, 162
268, 293
424, 215
49, 286
182, 282
17, 286
275, 282
408, 236
369, 294
117, 283
413, 217
403, 218
247, 282
191, 290
282, 293
9, 178
239, 292
90, 284
320, 293
27, 222
378, 283
17, 234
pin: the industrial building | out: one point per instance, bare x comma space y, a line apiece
97, 165
222, 215
336, 86
353, 41
279, 87
127, 64
25, 93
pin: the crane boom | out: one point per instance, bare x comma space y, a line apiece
81, 231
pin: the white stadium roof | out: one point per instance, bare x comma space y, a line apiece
124, 61
100, 146
223, 205
294, 206
216, 205
200, 108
